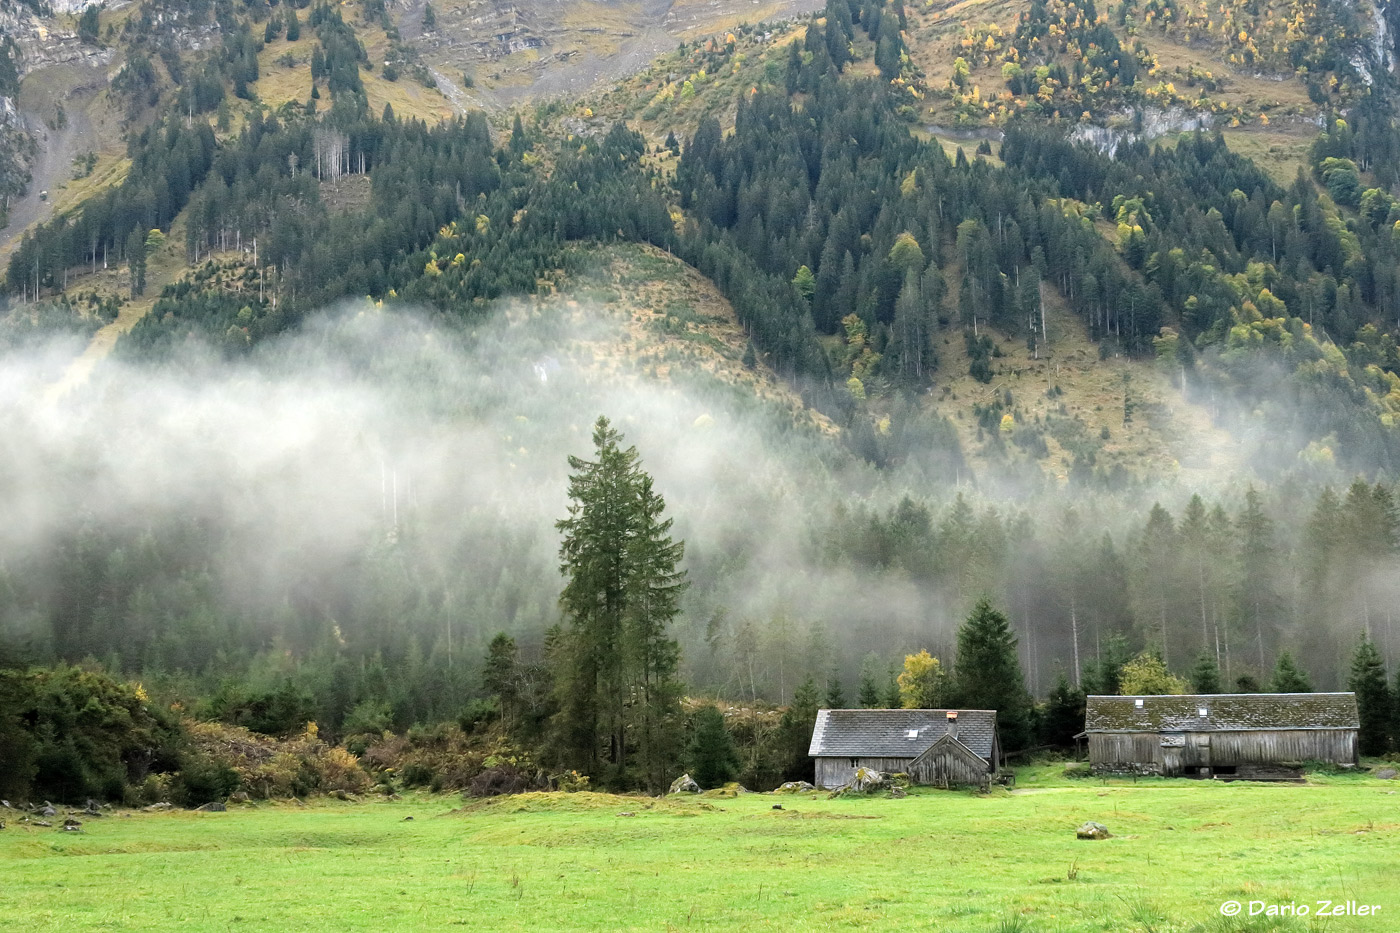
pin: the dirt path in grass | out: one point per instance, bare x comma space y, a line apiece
97, 350
162, 268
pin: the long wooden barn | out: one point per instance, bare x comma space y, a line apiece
1220, 735
942, 747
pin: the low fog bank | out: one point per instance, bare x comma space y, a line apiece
376, 477
379, 484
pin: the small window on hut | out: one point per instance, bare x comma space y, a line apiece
1137, 703
1202, 712
911, 734
855, 762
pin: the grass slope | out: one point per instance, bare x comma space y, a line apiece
1077, 399
936, 860
676, 325
163, 267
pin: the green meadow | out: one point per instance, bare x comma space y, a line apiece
942, 860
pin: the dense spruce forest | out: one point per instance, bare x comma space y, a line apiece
270, 513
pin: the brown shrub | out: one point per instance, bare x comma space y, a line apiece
498, 782
270, 767
444, 757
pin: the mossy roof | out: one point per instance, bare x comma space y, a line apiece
1223, 712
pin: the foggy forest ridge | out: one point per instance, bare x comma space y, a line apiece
394, 483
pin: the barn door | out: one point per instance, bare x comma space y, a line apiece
1173, 746
1199, 745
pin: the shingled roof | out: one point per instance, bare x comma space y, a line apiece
1224, 712
885, 733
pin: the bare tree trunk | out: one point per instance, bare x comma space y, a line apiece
1044, 330
1074, 633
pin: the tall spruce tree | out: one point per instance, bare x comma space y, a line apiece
1062, 717
987, 674
136, 262
1205, 674
621, 593
1257, 596
711, 756
499, 675
1289, 677
653, 600
835, 694
1373, 699
1103, 676
872, 694
795, 732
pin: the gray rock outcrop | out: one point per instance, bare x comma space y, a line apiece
684, 785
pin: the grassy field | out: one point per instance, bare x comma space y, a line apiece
936, 860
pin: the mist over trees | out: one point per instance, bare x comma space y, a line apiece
274, 515
397, 542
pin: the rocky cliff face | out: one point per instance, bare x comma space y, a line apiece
41, 43
33, 42
1155, 122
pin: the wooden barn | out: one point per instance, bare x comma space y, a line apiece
1245, 735
942, 747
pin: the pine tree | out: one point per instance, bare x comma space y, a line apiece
136, 262
1205, 674
1373, 699
1289, 677
621, 593
711, 756
795, 732
1258, 599
1103, 676
893, 699
870, 696
1395, 713
88, 24
1063, 715
987, 674
1157, 577
805, 283
499, 675
653, 600
750, 360
835, 695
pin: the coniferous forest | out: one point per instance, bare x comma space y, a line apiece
368, 479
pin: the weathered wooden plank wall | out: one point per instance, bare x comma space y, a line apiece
1335, 745
836, 772
943, 767
1138, 749
1143, 751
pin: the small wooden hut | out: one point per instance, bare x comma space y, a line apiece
1244, 735
941, 747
